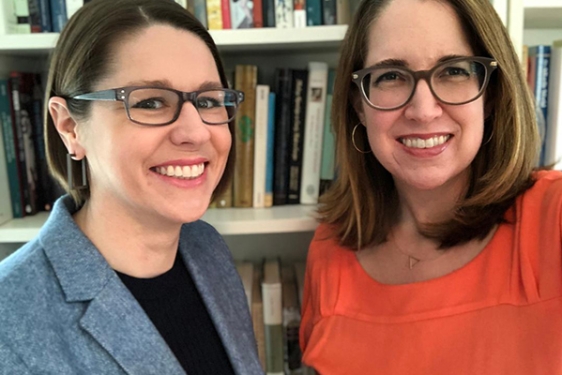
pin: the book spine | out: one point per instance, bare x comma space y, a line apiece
258, 13
246, 81
34, 16
299, 12
22, 16
553, 152
314, 131
298, 110
45, 16
283, 14
228, 19
214, 14
329, 12
282, 136
343, 12
268, 13
200, 11
313, 12
327, 169
260, 145
11, 150
273, 328
7, 158
542, 55
58, 15
8, 20
270, 151
72, 7
225, 200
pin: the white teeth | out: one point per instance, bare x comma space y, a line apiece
425, 143
183, 172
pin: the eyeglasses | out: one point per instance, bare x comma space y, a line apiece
456, 81
159, 106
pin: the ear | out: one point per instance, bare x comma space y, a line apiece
66, 126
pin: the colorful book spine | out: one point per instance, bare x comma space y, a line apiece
270, 151
227, 7
299, 13
246, 77
258, 13
298, 112
241, 12
284, 14
314, 131
260, 145
58, 14
329, 9
268, 11
214, 14
553, 153
6, 157
327, 168
313, 12
541, 54
11, 151
282, 135
200, 11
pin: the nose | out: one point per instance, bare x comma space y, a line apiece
424, 106
189, 129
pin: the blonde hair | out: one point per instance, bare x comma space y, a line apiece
362, 205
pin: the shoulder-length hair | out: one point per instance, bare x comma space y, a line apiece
83, 55
362, 205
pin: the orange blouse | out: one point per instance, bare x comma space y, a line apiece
499, 314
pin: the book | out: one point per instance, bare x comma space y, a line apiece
200, 11
241, 14
258, 13
296, 141
214, 14
327, 166
329, 8
313, 12
8, 19
553, 149
257, 312
260, 145
299, 13
268, 11
314, 131
284, 14
21, 8
58, 14
11, 152
300, 270
226, 6
246, 272
246, 77
270, 153
273, 317
343, 12
225, 200
540, 59
5, 204
283, 84
291, 321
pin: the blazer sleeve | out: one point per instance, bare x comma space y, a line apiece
11, 363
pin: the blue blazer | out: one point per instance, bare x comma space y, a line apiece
63, 310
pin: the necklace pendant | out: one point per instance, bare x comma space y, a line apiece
413, 261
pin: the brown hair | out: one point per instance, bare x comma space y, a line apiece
83, 55
362, 206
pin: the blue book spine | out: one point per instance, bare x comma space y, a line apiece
542, 55
10, 150
45, 12
58, 15
313, 12
270, 153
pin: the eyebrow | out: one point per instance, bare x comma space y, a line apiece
207, 85
404, 63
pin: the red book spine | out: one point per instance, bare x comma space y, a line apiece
258, 13
225, 7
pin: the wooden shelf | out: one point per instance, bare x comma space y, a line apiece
241, 40
232, 221
543, 14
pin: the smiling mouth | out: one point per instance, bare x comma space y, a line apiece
414, 142
184, 172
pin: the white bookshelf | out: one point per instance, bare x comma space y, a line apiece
543, 14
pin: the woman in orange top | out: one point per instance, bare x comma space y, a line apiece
439, 250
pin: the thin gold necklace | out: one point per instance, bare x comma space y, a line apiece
412, 260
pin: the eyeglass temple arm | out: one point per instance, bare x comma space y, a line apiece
107, 95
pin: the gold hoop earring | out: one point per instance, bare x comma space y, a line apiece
353, 141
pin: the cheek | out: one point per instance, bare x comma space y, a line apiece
222, 141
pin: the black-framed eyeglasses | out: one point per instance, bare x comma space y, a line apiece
159, 106
456, 81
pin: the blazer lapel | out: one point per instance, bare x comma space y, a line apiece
118, 323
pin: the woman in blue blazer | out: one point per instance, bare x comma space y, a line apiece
139, 132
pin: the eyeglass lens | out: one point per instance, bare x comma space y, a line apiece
159, 106
454, 83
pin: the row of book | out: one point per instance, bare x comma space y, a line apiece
542, 65
274, 294
24, 176
285, 148
43, 16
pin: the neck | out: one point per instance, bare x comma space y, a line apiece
131, 242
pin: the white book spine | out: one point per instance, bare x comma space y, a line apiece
260, 145
8, 18
72, 7
284, 14
300, 18
313, 131
553, 147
